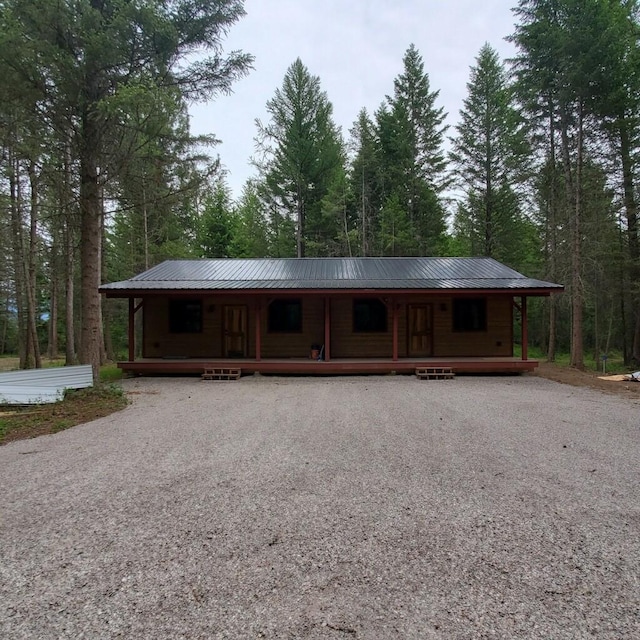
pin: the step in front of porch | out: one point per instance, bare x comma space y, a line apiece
221, 373
435, 373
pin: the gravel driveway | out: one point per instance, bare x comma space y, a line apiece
379, 507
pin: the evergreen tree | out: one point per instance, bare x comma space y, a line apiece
303, 156
410, 134
86, 59
489, 155
218, 224
251, 239
365, 182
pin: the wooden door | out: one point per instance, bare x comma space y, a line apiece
234, 331
420, 330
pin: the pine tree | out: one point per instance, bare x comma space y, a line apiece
251, 238
410, 134
302, 157
365, 181
489, 154
92, 63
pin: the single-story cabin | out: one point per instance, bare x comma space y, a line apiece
328, 315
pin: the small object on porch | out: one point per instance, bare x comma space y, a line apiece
221, 373
435, 373
321, 355
315, 352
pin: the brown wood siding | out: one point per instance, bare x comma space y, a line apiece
497, 340
347, 344
159, 342
295, 345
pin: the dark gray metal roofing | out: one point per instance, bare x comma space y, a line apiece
327, 274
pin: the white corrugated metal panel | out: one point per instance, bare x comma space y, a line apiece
75, 377
10, 394
36, 386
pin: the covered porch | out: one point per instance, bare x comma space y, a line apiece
411, 337
337, 366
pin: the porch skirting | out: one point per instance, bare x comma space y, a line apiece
335, 366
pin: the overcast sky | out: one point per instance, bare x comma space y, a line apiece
356, 48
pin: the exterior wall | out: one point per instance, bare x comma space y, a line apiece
497, 340
159, 342
294, 345
347, 344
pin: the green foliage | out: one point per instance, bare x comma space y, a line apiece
218, 223
410, 159
303, 157
110, 373
490, 157
251, 238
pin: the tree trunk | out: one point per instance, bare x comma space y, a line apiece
90, 242
551, 236
577, 292
573, 196
20, 272
69, 268
52, 349
68, 231
300, 231
54, 289
633, 241
32, 310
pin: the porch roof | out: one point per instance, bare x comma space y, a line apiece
419, 273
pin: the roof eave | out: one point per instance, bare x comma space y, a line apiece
139, 293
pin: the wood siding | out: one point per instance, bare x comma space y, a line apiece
159, 342
295, 345
497, 340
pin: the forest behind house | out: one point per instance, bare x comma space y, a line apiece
101, 178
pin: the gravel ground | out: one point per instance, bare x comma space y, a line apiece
379, 507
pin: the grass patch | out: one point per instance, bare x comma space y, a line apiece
110, 373
79, 406
615, 361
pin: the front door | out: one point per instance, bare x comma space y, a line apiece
234, 331
420, 332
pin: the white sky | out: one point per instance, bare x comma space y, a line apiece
356, 48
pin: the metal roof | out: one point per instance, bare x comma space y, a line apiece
328, 274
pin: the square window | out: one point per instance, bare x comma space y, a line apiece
185, 316
285, 316
369, 316
469, 314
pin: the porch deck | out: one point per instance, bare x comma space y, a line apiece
335, 366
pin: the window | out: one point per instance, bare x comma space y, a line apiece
185, 316
369, 316
469, 314
285, 316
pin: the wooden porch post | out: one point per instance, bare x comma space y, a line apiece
327, 329
132, 330
395, 329
525, 328
259, 330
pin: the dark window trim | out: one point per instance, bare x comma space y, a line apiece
384, 327
183, 320
462, 315
270, 318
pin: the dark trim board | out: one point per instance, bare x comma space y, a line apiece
332, 367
